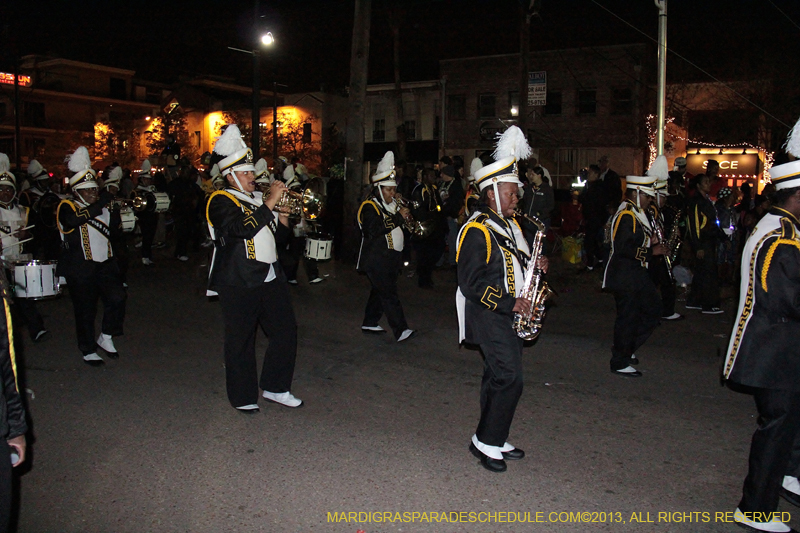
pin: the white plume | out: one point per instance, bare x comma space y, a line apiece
475, 166
261, 166
214, 172
115, 174
386, 164
5, 164
512, 143
793, 141
146, 167
659, 168
288, 174
230, 141
34, 167
79, 161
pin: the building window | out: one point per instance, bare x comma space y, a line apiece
197, 139
621, 101
553, 105
587, 102
117, 89
411, 130
486, 106
140, 93
307, 133
34, 146
513, 103
457, 107
379, 130
33, 114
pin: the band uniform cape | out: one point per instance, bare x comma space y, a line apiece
761, 351
245, 233
382, 237
630, 249
492, 257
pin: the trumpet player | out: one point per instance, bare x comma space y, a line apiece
381, 221
492, 257
249, 280
659, 267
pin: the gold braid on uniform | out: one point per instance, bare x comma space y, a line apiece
220, 193
785, 238
485, 234
619, 219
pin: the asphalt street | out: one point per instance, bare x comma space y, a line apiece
150, 443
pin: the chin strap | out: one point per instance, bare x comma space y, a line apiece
497, 200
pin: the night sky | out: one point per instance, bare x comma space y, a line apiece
162, 40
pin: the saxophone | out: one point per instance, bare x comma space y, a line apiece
657, 229
534, 288
674, 239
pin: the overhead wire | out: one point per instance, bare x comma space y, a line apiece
676, 54
784, 14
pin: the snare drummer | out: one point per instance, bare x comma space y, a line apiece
381, 221
13, 218
88, 262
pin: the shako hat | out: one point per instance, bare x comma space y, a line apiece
660, 171
114, 177
6, 177
787, 175
84, 177
475, 166
641, 183
385, 174
512, 146
146, 168
36, 171
236, 155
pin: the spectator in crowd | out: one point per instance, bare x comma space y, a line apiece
680, 174
726, 255
537, 201
705, 236
571, 215
717, 182
533, 162
185, 196
594, 203
612, 183
451, 193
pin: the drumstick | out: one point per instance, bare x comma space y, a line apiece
16, 243
21, 229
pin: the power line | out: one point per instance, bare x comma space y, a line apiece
676, 54
784, 14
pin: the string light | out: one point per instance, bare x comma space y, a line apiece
769, 156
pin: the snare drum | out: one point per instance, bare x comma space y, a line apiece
128, 219
162, 202
319, 246
36, 280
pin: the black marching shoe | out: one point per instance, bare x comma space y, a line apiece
492, 465
628, 372
514, 455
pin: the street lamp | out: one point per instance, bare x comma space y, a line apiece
267, 39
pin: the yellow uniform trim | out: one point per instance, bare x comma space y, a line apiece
788, 236
370, 202
488, 295
485, 231
619, 218
58, 212
220, 193
11, 353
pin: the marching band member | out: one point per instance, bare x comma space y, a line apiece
87, 260
148, 220
13, 218
658, 268
637, 299
292, 254
119, 239
471, 198
262, 176
249, 280
41, 201
762, 353
428, 209
381, 253
492, 257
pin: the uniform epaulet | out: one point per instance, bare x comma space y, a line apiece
220, 193
788, 236
58, 212
619, 218
365, 202
476, 224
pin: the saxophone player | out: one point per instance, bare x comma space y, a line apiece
492, 257
381, 221
660, 268
632, 248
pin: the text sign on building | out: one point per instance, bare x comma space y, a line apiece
729, 164
537, 88
8, 79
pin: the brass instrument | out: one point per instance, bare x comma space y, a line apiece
656, 223
417, 228
137, 203
535, 288
306, 204
674, 240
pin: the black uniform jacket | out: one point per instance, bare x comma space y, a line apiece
483, 271
703, 228
377, 249
626, 268
235, 224
764, 350
12, 412
71, 216
428, 208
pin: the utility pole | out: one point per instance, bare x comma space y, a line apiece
662, 74
255, 117
524, 65
359, 64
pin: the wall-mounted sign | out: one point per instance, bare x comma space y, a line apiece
729, 164
8, 79
537, 88
490, 129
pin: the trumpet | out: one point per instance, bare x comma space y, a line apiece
306, 204
418, 228
137, 203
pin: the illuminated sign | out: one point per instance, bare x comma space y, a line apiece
8, 79
729, 164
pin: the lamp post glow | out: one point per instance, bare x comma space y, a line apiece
267, 39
